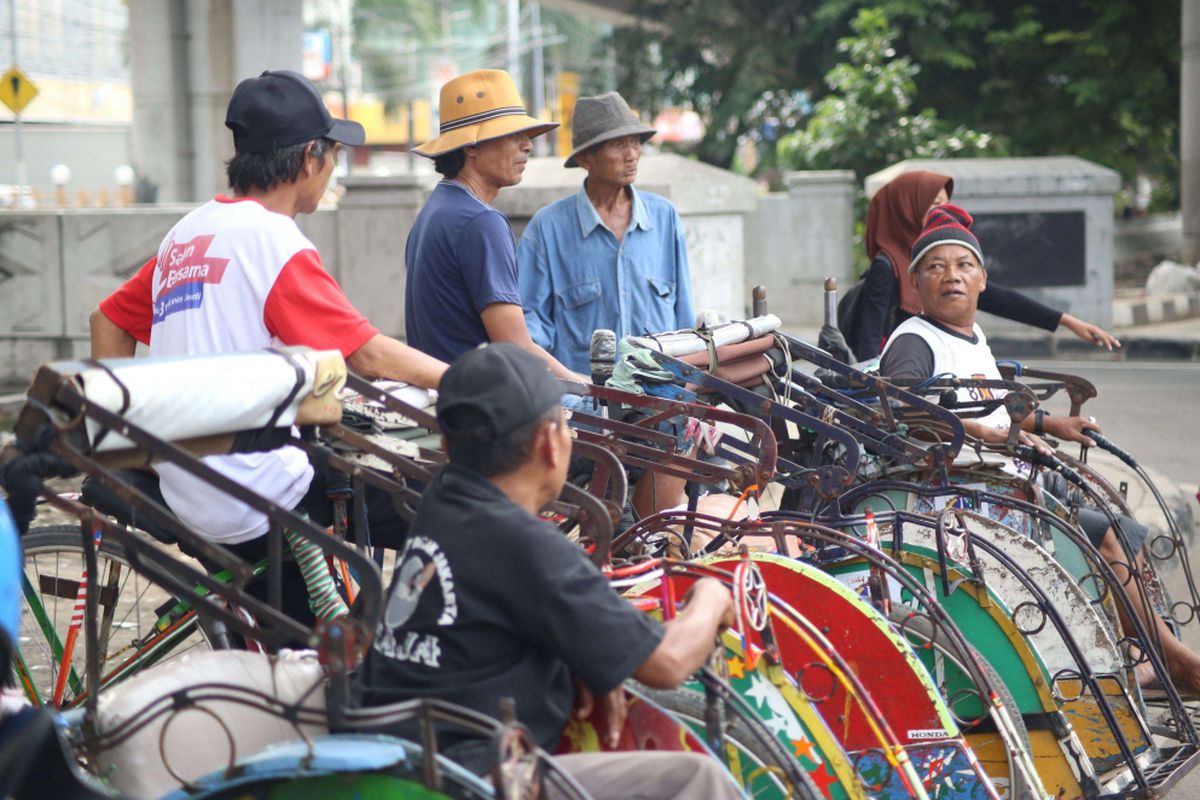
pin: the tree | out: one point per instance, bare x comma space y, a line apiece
1095, 78
868, 121
741, 64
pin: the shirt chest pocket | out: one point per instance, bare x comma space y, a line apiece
580, 294
578, 313
664, 290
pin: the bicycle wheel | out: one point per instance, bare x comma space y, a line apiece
140, 624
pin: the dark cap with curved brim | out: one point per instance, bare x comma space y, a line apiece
281, 108
503, 386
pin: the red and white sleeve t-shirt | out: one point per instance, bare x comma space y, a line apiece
230, 277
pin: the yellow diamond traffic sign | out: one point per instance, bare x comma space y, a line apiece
16, 90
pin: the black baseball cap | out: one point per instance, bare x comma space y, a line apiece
505, 386
281, 108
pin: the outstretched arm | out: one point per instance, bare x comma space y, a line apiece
1013, 305
505, 322
384, 357
1089, 332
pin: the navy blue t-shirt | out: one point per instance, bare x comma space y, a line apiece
489, 602
460, 259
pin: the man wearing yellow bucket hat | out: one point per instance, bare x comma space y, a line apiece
461, 284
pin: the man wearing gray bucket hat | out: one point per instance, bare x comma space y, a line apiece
609, 256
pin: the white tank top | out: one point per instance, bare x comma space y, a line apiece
959, 357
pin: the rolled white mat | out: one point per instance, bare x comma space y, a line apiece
683, 343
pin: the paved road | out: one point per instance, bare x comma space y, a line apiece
1148, 408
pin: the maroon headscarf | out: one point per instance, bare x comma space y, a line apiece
894, 221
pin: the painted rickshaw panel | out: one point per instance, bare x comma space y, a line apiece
1082, 618
888, 669
786, 712
990, 631
879, 657
649, 726
793, 718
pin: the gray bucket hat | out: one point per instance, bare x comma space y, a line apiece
598, 119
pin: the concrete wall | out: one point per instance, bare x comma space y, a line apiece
795, 240
1028, 185
56, 266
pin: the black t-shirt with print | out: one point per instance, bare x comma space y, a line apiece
490, 602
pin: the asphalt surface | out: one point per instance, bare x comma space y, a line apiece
1149, 408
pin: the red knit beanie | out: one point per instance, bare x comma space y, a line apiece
946, 224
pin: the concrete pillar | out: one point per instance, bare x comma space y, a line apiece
187, 57
795, 240
373, 221
1189, 130
158, 69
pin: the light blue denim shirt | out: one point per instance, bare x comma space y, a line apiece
575, 277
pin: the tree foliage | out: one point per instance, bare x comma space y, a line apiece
1094, 78
869, 120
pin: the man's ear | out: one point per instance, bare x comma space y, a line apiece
470, 151
546, 444
310, 164
982, 279
914, 278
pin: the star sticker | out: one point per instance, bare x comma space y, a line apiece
822, 779
777, 725
759, 691
803, 747
736, 668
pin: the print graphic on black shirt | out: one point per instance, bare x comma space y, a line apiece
424, 566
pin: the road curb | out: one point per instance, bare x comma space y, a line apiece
1133, 347
1155, 309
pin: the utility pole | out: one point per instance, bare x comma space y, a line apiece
1189, 130
347, 20
17, 143
539, 68
514, 34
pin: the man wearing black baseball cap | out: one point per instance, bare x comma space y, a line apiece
489, 602
237, 274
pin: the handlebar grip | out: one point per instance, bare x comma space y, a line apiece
1104, 443
1027, 453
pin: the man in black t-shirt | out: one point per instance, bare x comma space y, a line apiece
489, 602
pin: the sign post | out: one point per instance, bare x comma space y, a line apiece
15, 92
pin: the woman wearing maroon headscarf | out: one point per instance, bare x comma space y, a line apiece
886, 298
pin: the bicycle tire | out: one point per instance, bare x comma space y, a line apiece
128, 603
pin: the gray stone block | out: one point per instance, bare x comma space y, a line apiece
103, 248
31, 287
795, 240
373, 221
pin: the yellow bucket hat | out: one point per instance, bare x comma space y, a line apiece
478, 106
